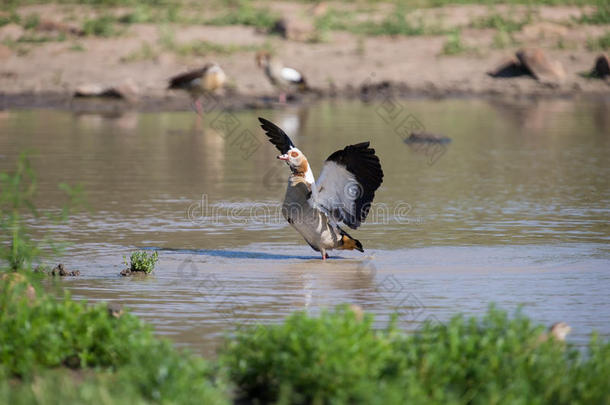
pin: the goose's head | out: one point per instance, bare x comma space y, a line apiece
560, 330
296, 160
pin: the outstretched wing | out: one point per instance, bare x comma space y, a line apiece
276, 136
346, 187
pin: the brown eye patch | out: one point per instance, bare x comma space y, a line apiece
294, 154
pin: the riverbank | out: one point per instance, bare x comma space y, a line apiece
345, 50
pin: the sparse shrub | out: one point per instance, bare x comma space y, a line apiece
17, 191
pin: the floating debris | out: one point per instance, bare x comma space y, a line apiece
426, 137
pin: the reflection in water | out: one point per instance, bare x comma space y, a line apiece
515, 211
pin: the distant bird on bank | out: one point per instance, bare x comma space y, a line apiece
207, 79
343, 193
282, 77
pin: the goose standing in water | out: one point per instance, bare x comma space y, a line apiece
205, 80
343, 193
282, 77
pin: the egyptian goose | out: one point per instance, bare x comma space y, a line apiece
198, 82
282, 77
343, 193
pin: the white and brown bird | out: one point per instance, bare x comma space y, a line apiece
205, 80
282, 77
342, 194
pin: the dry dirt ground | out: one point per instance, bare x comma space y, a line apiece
340, 64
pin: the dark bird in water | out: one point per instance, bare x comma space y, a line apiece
207, 79
283, 78
342, 194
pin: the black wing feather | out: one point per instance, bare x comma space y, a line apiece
361, 161
276, 136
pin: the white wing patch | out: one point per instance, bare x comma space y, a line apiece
291, 75
336, 191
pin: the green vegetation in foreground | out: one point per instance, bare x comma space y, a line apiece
57, 350
142, 261
18, 249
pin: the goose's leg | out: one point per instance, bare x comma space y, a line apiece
282, 98
324, 254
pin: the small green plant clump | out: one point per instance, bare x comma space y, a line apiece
142, 261
454, 45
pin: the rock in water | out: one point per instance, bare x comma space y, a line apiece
60, 270
539, 66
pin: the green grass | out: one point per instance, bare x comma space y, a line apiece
600, 16
501, 23
9, 18
205, 48
601, 43
242, 12
145, 52
102, 26
503, 39
142, 261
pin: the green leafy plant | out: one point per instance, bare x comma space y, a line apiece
142, 261
340, 358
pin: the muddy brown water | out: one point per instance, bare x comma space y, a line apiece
514, 211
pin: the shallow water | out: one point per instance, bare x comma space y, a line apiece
515, 211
